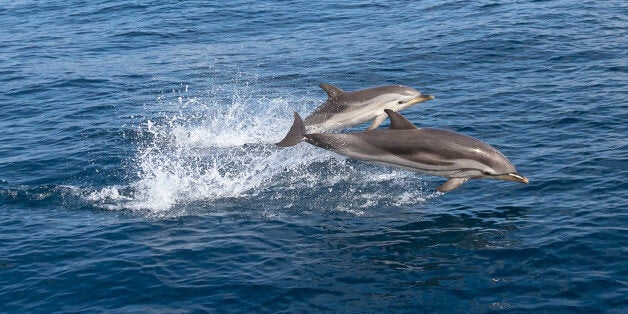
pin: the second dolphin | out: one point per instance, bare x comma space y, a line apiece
345, 109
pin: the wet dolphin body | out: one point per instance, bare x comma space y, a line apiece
430, 151
345, 109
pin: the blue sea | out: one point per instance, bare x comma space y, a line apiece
138, 172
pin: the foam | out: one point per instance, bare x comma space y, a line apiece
206, 152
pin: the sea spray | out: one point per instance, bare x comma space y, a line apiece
206, 152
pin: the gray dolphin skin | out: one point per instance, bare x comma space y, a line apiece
425, 150
345, 109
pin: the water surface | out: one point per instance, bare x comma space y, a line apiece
138, 171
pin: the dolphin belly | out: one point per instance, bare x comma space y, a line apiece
343, 119
445, 169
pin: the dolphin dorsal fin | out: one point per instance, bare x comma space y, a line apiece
398, 122
331, 90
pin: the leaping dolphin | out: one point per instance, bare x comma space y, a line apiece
345, 109
425, 150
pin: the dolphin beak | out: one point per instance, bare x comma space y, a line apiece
513, 177
420, 98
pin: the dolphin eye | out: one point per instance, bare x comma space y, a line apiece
488, 173
400, 102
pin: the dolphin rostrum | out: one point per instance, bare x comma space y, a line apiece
344, 109
430, 151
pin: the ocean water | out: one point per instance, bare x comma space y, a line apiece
138, 171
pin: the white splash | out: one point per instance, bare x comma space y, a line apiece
208, 152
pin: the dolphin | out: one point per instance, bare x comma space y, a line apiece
345, 109
425, 150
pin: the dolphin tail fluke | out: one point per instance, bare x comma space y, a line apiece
451, 184
296, 133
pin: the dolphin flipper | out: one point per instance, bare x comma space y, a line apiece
376, 122
451, 184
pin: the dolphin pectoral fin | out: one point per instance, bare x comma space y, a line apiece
398, 122
331, 90
451, 184
376, 122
